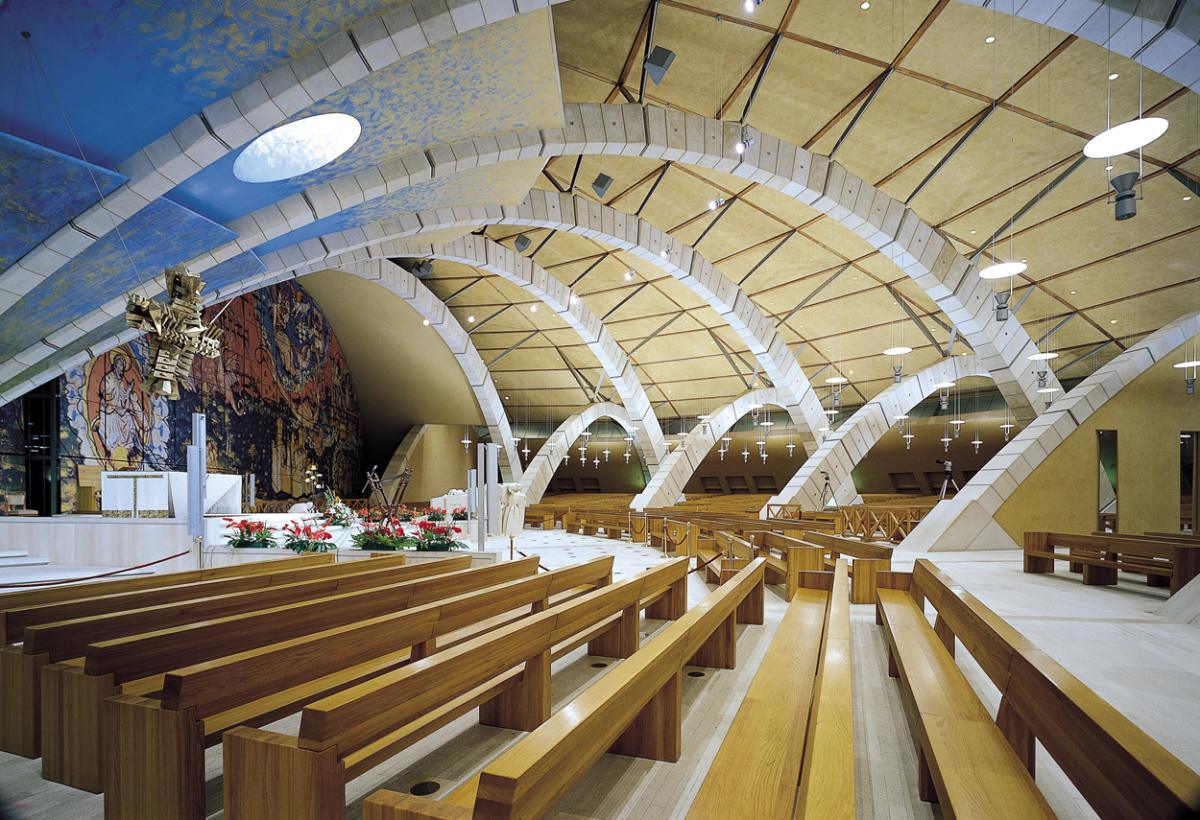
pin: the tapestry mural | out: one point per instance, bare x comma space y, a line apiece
12, 448
279, 398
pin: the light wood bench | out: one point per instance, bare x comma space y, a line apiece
590, 522
505, 673
1101, 556
787, 558
795, 723
868, 560
59, 629
634, 709
155, 760
983, 768
539, 520
73, 693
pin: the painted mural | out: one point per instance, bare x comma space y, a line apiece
12, 448
279, 398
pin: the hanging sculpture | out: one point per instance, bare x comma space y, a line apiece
176, 332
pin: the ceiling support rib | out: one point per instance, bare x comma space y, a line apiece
462, 289
772, 47
623, 301
980, 119
1028, 206
513, 347
862, 109
1057, 327
487, 319
724, 209
916, 320
828, 281
1090, 352
649, 44
659, 330
1022, 299
653, 188
725, 352
767, 256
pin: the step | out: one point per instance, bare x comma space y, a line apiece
13, 553
23, 559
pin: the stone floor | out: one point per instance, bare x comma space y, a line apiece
1112, 638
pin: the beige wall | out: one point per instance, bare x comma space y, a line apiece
1063, 492
439, 463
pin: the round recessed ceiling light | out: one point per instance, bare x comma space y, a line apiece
471, 319
533, 308
296, 148
1187, 198
1074, 292
1113, 76
1126, 137
1002, 270
1042, 357
991, 38
425, 322
1112, 321
864, 5
899, 350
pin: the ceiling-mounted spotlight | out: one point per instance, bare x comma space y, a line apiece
977, 443
713, 204
658, 62
533, 308
751, 5
1007, 427
1002, 309
745, 142
1189, 369
629, 276
601, 184
1126, 137
897, 373
1126, 202
425, 322
523, 242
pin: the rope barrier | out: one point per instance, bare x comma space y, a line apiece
60, 581
705, 564
541, 566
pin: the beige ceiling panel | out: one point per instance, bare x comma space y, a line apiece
879, 32
953, 48
799, 260
805, 87
598, 49
741, 227
785, 207
906, 116
838, 239
581, 87
1074, 89
625, 172
710, 58
680, 198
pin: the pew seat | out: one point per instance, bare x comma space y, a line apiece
964, 761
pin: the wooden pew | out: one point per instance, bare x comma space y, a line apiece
155, 759
1119, 769
505, 673
21, 666
795, 557
1101, 556
795, 723
589, 522
541, 520
869, 559
634, 709
73, 694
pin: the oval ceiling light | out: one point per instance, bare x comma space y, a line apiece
899, 350
296, 148
943, 385
1192, 363
836, 380
1126, 137
1042, 357
1003, 270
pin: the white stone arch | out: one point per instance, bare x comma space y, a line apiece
558, 446
966, 521
842, 449
667, 483
927, 256
483, 253
409, 288
367, 46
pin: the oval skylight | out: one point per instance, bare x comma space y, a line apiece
296, 148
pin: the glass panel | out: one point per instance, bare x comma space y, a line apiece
1187, 480
1107, 467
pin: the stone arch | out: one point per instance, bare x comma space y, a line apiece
842, 449
483, 253
558, 446
667, 483
966, 521
409, 288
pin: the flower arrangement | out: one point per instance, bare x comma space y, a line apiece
300, 537
337, 513
435, 514
248, 534
438, 537
405, 514
458, 514
383, 534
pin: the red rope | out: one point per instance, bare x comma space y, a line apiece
540, 565
705, 564
59, 581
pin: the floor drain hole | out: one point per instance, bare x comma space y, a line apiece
694, 674
425, 787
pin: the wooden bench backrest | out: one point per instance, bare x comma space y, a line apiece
149, 653
362, 713
1119, 769
1182, 536
67, 639
847, 546
1166, 538
827, 788
17, 619
532, 775
69, 592
1133, 546
216, 685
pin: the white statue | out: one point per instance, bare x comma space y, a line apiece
512, 510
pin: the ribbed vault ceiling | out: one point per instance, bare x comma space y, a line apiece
907, 95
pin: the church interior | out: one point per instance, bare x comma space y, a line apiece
709, 409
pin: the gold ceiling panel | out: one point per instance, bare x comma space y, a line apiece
598, 49
879, 32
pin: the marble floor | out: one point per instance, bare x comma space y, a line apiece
1145, 665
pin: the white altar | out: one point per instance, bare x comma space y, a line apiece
161, 494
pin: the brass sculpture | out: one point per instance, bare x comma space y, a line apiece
176, 332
